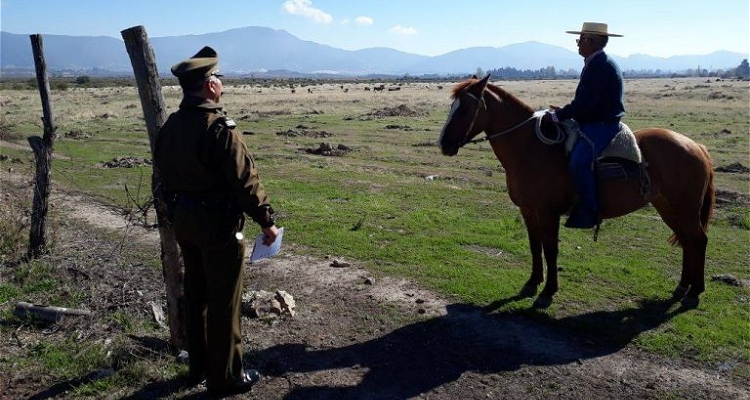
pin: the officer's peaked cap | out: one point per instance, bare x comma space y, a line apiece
198, 67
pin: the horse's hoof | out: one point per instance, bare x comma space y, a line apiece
542, 302
679, 292
528, 291
690, 302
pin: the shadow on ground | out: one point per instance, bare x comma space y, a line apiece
419, 357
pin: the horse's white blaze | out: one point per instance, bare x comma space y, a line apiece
454, 107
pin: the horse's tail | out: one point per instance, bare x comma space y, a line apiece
709, 198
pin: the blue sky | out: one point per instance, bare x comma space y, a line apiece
428, 27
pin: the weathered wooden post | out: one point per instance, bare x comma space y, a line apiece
155, 113
43, 148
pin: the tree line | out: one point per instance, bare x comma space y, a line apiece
741, 71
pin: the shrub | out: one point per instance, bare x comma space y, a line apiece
83, 79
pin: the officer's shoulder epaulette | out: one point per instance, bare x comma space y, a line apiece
226, 121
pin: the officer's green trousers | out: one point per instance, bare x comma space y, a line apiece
213, 260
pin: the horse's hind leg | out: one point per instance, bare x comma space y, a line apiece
694, 265
692, 238
667, 215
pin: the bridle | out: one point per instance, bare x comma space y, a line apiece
535, 116
482, 104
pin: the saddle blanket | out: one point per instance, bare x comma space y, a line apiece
623, 145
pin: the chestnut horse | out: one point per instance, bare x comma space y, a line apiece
680, 171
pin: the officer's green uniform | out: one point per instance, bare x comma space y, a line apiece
209, 176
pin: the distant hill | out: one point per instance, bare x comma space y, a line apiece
255, 50
529, 55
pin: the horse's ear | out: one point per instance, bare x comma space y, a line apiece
484, 81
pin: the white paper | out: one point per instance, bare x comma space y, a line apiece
261, 251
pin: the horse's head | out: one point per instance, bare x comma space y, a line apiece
465, 113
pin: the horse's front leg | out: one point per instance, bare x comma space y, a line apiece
535, 245
549, 232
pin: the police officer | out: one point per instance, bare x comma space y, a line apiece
210, 181
597, 106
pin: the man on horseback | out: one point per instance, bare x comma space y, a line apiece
597, 107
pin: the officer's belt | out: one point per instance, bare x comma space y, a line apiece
202, 199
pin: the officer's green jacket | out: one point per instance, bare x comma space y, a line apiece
199, 152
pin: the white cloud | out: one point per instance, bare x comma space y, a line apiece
403, 31
305, 8
364, 21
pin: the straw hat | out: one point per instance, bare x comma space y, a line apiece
594, 28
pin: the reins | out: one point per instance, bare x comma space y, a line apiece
537, 115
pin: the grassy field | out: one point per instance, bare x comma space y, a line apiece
400, 208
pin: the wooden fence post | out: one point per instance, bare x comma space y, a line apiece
154, 110
43, 148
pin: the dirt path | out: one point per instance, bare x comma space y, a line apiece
351, 340
361, 337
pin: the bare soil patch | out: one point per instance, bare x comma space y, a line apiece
127, 162
304, 131
402, 110
329, 150
725, 197
355, 335
734, 168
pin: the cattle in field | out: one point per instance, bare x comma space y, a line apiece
379, 88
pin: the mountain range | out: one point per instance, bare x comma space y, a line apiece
258, 50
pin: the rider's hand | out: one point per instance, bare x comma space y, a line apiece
547, 118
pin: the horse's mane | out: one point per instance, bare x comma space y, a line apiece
460, 86
498, 91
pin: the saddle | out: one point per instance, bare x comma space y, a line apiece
621, 158
623, 145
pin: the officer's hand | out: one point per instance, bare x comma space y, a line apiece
270, 234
